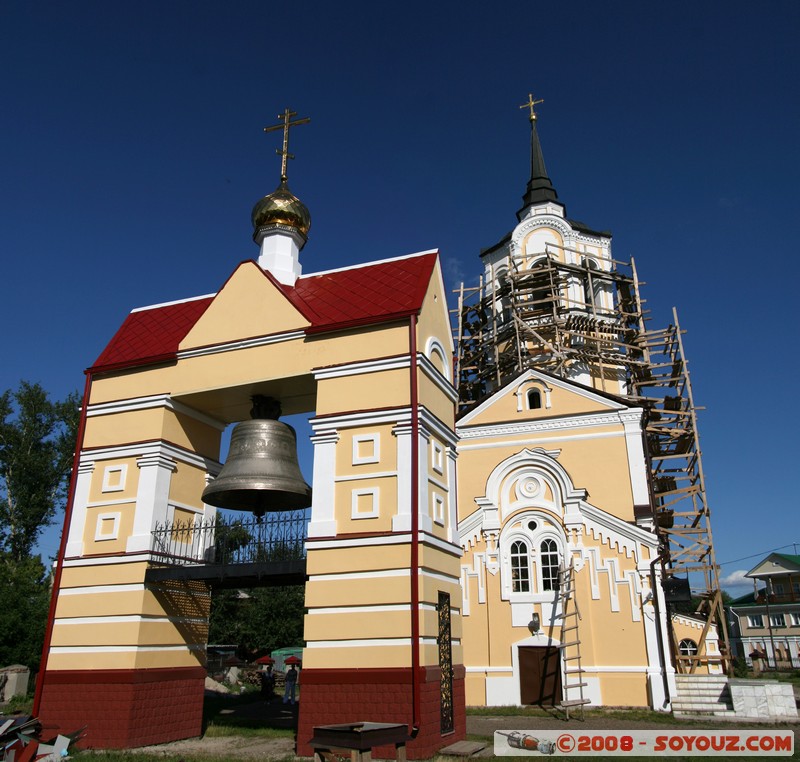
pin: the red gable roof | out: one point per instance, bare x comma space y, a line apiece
151, 334
378, 292
373, 293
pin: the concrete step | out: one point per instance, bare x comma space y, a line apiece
463, 749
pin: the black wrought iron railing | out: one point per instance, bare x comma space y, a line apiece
229, 540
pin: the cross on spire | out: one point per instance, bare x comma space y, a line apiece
530, 104
286, 123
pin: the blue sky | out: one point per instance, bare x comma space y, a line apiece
133, 152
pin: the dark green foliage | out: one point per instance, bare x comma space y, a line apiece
24, 601
37, 441
268, 618
740, 668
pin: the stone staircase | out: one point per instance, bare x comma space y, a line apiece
702, 696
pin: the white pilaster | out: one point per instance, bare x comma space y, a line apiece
634, 443
423, 501
402, 521
654, 678
452, 495
80, 501
323, 505
152, 499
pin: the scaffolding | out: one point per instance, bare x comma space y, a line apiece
572, 315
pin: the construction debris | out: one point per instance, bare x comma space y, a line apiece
20, 741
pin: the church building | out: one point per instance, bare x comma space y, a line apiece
503, 507
562, 601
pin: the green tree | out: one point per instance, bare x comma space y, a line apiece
24, 601
37, 441
258, 621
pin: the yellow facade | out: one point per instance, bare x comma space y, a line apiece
385, 417
539, 489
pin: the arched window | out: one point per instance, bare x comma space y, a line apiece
548, 560
520, 567
687, 647
592, 286
534, 399
540, 295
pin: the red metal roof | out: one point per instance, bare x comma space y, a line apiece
359, 295
374, 293
151, 334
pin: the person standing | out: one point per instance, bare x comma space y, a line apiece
291, 683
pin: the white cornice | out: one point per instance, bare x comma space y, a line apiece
150, 449
441, 382
232, 346
360, 368
588, 420
366, 418
169, 304
393, 539
370, 264
149, 403
541, 221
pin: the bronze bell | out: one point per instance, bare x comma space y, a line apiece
261, 473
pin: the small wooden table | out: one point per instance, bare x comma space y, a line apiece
359, 738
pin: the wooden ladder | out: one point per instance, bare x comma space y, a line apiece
570, 643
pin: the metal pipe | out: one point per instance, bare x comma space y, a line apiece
415, 658
657, 610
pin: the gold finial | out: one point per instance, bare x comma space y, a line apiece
530, 104
286, 123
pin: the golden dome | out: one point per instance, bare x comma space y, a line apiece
281, 207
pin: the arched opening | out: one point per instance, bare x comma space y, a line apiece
534, 398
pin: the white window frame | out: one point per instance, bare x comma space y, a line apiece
437, 456
359, 439
755, 621
374, 492
527, 566
121, 471
777, 620
101, 519
437, 506
544, 530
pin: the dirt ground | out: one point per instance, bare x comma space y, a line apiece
277, 714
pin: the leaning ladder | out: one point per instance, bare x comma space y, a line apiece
570, 642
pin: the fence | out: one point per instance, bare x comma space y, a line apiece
227, 540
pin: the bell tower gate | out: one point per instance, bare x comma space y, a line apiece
366, 350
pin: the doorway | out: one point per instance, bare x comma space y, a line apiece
540, 675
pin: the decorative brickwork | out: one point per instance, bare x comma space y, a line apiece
332, 696
124, 708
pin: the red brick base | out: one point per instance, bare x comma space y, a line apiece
124, 708
335, 696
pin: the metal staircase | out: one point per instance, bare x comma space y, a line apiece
573, 685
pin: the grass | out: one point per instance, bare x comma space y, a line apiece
21, 704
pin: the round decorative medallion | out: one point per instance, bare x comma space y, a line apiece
528, 488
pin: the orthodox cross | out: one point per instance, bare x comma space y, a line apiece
286, 123
530, 104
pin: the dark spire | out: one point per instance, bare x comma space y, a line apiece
540, 189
